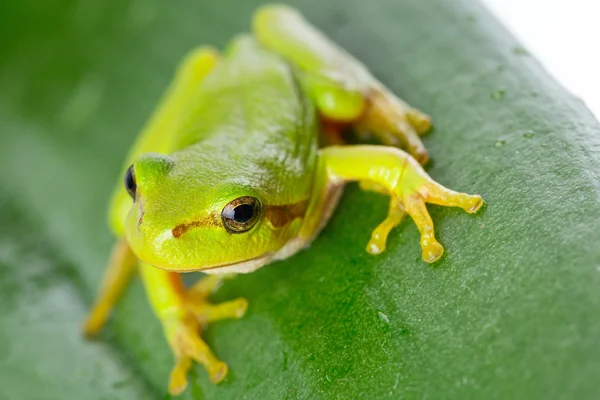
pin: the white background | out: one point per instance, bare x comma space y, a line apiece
564, 35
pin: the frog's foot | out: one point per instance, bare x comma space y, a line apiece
394, 122
183, 328
393, 172
414, 205
413, 190
432, 250
413, 201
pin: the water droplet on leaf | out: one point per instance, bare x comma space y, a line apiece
383, 317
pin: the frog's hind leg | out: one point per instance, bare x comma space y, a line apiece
183, 314
394, 122
341, 87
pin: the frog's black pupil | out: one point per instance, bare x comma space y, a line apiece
243, 213
130, 184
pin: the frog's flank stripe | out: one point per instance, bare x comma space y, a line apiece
281, 215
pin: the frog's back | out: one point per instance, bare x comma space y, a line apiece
250, 113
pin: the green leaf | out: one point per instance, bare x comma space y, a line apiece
512, 310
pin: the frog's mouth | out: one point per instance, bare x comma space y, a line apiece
242, 267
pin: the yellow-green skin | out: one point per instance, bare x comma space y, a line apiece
248, 123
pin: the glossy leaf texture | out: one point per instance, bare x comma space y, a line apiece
511, 311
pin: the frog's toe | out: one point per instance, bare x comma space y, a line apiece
432, 250
429, 191
435, 193
420, 121
379, 236
178, 378
415, 207
473, 203
187, 346
207, 313
184, 327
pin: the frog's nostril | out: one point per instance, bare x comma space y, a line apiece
142, 212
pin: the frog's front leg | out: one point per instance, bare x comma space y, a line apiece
183, 314
341, 87
390, 171
118, 273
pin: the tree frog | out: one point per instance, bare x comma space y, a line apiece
242, 164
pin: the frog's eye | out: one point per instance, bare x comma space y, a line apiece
241, 214
130, 184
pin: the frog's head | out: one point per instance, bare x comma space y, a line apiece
191, 215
